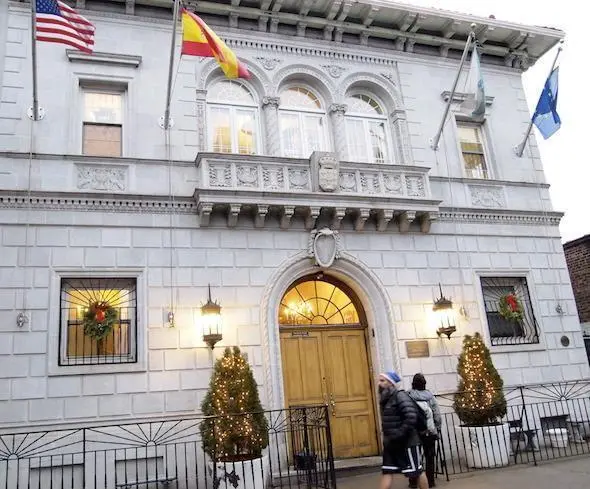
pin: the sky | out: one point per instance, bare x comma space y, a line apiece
564, 155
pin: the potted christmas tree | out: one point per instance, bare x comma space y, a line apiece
235, 432
480, 405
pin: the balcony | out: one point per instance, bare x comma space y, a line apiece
288, 189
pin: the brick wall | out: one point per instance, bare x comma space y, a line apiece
577, 254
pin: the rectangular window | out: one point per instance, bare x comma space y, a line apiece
587, 345
102, 123
509, 311
473, 150
98, 318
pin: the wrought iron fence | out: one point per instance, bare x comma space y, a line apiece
168, 454
543, 422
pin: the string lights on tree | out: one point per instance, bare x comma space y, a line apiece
479, 399
237, 429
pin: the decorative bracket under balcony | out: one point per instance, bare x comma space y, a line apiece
322, 187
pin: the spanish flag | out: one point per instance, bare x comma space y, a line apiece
199, 40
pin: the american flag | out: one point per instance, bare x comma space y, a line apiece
58, 22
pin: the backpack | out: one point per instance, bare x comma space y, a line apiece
425, 411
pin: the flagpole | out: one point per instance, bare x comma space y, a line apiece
436, 139
35, 109
519, 150
166, 122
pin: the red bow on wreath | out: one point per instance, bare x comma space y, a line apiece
99, 320
512, 302
510, 308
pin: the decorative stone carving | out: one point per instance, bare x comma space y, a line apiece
405, 219
324, 246
490, 197
204, 211
314, 213
415, 186
299, 179
334, 71
271, 101
106, 178
339, 214
247, 176
232, 216
286, 216
393, 184
361, 219
383, 218
269, 63
348, 182
262, 211
338, 108
273, 178
389, 76
220, 175
370, 183
325, 169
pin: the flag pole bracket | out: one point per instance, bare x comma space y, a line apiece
40, 113
162, 125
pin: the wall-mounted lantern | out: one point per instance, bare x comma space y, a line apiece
211, 322
443, 310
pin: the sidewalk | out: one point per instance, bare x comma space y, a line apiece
562, 474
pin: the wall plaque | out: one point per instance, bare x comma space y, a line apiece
300, 333
417, 349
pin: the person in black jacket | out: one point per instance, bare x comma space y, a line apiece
401, 443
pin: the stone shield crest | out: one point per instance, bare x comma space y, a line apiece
328, 173
324, 246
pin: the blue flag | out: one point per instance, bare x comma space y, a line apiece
546, 117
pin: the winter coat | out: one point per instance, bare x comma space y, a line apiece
428, 396
398, 417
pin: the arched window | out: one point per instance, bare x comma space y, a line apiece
233, 118
366, 129
302, 122
317, 302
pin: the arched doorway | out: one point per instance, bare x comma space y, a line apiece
325, 360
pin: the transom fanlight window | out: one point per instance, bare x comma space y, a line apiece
317, 302
233, 116
302, 122
366, 129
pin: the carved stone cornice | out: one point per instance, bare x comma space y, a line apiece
459, 97
85, 202
501, 217
104, 58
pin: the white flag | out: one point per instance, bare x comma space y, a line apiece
474, 105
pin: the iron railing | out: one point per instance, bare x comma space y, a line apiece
504, 331
168, 454
543, 422
119, 345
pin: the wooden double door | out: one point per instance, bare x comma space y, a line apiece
330, 366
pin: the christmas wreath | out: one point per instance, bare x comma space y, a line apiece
99, 320
510, 308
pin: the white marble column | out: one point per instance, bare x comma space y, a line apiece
270, 107
201, 97
337, 112
401, 138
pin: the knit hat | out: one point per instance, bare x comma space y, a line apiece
391, 377
419, 382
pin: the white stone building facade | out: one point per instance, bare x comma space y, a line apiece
163, 217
